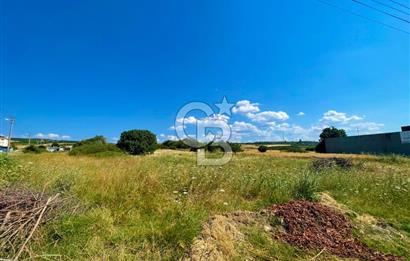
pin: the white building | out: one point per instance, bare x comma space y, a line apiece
4, 142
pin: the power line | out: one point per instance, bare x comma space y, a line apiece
400, 4
381, 11
11, 120
364, 17
391, 7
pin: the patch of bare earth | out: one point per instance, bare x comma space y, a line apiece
221, 235
311, 225
321, 228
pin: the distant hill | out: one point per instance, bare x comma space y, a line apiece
41, 141
301, 143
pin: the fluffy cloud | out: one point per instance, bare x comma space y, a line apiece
245, 106
172, 137
239, 126
341, 117
367, 126
268, 116
52, 136
301, 113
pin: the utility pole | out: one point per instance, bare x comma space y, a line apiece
11, 121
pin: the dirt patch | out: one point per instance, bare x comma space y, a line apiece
311, 225
221, 235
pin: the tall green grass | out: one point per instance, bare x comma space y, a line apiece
152, 207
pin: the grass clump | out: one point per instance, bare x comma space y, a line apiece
392, 159
96, 149
34, 149
9, 170
306, 188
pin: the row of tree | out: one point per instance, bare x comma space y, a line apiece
137, 142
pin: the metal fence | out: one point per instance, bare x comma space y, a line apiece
386, 143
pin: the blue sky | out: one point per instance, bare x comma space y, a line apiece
82, 68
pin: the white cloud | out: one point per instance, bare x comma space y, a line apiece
268, 116
245, 106
239, 126
40, 135
187, 120
341, 117
301, 113
367, 126
52, 136
172, 137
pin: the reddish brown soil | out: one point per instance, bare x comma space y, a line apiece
314, 226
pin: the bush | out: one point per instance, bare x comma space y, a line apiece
96, 140
96, 150
306, 188
262, 148
138, 142
236, 147
34, 149
174, 145
310, 148
55, 144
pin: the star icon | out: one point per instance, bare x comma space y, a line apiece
225, 107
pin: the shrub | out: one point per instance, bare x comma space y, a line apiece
306, 188
34, 149
96, 140
263, 148
174, 145
55, 144
310, 148
236, 147
96, 150
138, 142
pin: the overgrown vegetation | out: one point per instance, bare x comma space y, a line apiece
306, 188
96, 146
96, 149
136, 142
34, 149
262, 148
153, 207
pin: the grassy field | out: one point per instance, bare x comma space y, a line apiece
153, 207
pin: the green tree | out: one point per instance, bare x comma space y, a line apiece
136, 142
262, 148
332, 132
